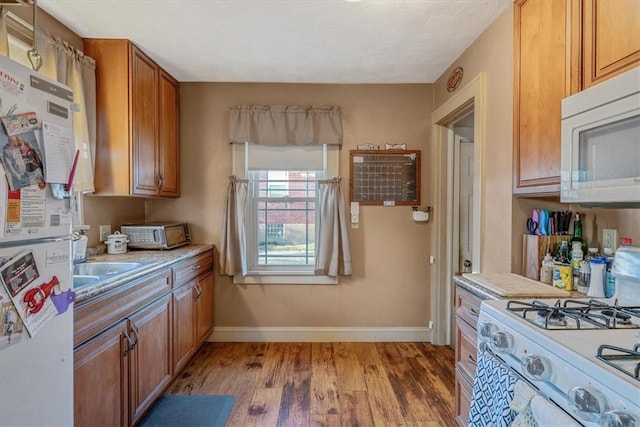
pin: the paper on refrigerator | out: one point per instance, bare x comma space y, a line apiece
29, 291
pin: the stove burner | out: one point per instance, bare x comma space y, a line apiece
621, 318
551, 317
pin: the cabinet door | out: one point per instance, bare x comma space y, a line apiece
144, 123
611, 35
151, 368
184, 324
542, 77
169, 136
101, 378
204, 306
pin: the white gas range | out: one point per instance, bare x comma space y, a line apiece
581, 355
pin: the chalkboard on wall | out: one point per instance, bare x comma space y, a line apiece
384, 177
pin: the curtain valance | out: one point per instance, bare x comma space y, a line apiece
285, 125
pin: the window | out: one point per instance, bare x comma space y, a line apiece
281, 209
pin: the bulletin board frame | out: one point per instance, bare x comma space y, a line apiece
385, 177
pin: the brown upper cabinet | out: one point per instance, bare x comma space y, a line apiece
562, 47
138, 122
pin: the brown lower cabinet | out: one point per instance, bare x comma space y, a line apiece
467, 306
127, 363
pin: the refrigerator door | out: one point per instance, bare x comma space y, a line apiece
36, 372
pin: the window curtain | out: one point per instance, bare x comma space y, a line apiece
281, 125
233, 245
69, 66
333, 244
285, 125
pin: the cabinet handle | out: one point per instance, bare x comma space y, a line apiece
160, 182
198, 291
130, 344
471, 360
135, 335
474, 312
157, 182
195, 267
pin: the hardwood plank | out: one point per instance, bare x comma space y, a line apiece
408, 391
348, 367
354, 407
324, 382
331, 420
294, 402
263, 408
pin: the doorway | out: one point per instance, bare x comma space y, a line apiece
462, 201
458, 146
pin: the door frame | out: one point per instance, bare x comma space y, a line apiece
470, 97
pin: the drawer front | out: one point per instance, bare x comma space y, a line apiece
191, 268
467, 306
463, 394
97, 314
466, 349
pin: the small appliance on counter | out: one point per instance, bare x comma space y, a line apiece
157, 235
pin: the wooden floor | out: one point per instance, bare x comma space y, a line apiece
326, 384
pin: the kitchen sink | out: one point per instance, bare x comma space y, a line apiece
80, 281
104, 268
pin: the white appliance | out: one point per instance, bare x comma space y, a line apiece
581, 356
36, 359
600, 160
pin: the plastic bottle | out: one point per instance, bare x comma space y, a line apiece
610, 285
546, 269
585, 271
576, 258
596, 285
610, 281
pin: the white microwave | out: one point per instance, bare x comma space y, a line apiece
600, 162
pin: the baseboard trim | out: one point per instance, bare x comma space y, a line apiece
320, 334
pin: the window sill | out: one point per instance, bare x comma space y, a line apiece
283, 279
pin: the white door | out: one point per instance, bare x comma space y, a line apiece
465, 198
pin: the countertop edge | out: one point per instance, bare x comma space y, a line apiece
484, 293
156, 260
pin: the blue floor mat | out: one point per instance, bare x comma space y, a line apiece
189, 411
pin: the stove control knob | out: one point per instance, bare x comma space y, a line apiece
587, 403
502, 342
536, 367
486, 329
620, 419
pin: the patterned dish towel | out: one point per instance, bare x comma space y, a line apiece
521, 403
493, 389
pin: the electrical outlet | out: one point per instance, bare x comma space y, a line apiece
609, 238
105, 230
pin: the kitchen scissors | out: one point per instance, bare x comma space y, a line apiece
532, 226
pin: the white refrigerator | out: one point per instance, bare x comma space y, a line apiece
36, 305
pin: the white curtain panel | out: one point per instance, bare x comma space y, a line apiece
285, 125
233, 244
333, 245
69, 66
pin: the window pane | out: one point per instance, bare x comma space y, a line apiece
285, 217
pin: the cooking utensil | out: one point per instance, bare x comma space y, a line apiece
532, 226
543, 224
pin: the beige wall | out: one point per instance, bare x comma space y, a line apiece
492, 53
390, 285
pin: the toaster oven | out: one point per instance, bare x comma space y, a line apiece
157, 235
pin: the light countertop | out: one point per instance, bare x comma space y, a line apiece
153, 261
485, 293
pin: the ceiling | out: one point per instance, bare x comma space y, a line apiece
289, 41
